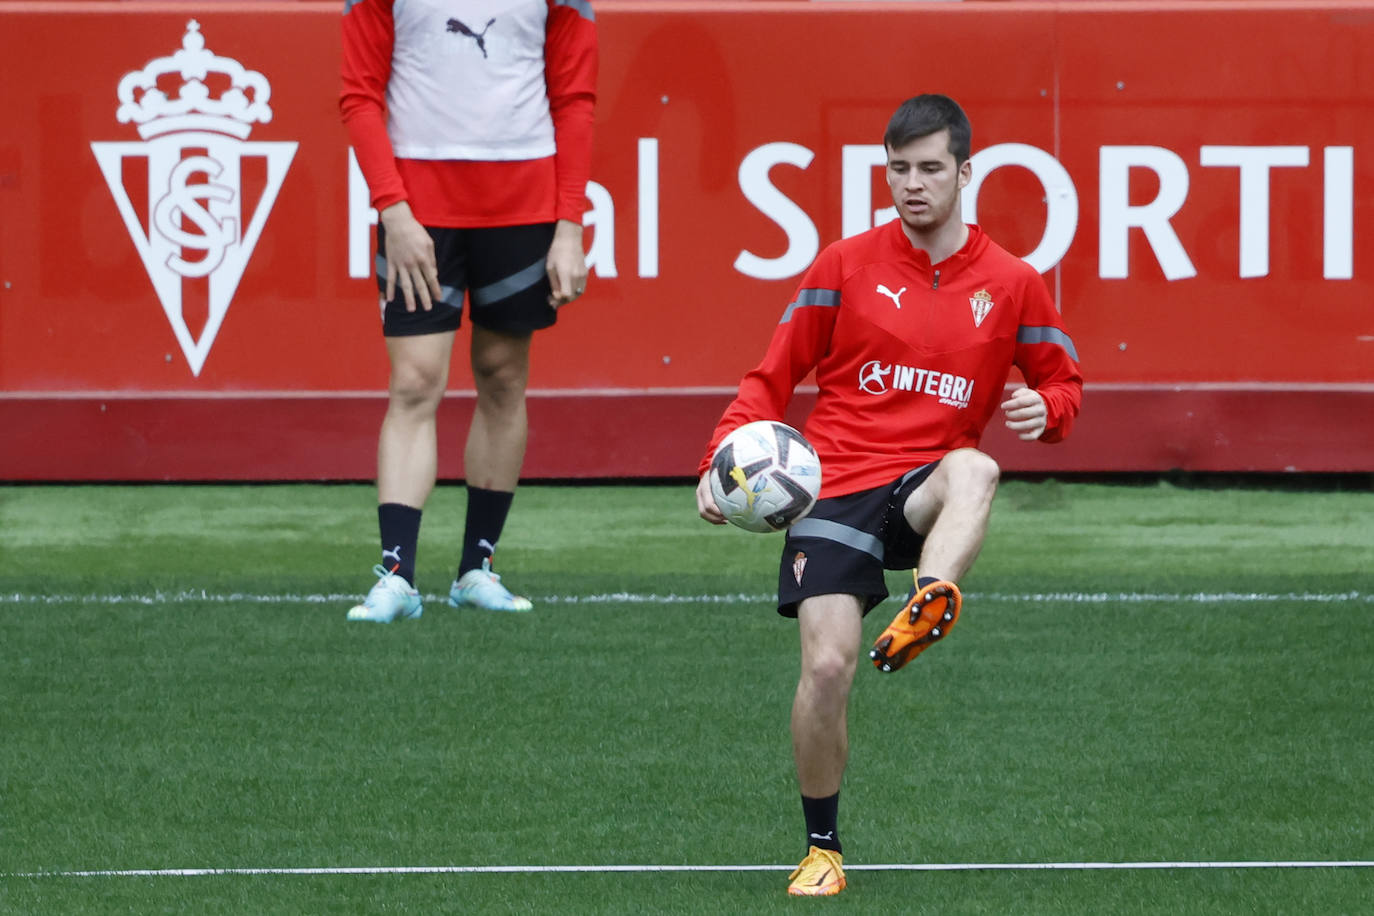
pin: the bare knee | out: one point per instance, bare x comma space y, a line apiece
829, 670
500, 369
417, 387
500, 383
971, 472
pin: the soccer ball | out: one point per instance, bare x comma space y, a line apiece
765, 476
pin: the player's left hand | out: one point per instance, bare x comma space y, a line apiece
706, 503
1026, 414
566, 263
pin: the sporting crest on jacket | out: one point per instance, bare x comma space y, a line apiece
981, 303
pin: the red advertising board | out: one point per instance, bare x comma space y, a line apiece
184, 289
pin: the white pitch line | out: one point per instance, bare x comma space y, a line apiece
204, 597
1155, 597
559, 869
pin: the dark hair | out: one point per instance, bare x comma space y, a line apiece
924, 115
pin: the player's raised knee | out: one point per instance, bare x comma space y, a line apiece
973, 464
972, 468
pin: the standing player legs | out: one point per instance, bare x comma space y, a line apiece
831, 627
407, 450
496, 440
951, 509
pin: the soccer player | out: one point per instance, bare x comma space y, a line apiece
472, 123
912, 329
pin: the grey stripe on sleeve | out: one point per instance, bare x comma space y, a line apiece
583, 7
1029, 334
825, 297
841, 534
509, 286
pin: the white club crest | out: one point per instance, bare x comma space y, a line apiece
981, 303
194, 223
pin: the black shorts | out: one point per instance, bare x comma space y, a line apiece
500, 268
843, 545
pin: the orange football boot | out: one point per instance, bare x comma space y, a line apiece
929, 614
820, 874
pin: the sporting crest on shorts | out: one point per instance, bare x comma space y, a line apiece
194, 192
798, 566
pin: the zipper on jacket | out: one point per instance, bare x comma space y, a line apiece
936, 284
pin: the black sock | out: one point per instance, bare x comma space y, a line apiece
921, 582
400, 526
821, 817
487, 511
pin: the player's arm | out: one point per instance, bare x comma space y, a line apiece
570, 65
1046, 408
368, 36
800, 339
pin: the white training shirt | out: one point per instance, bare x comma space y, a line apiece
461, 91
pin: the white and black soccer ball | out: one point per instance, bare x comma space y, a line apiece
765, 476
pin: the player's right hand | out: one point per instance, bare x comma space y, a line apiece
410, 258
706, 503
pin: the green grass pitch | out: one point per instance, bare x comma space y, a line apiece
1144, 673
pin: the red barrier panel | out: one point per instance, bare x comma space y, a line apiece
185, 295
629, 433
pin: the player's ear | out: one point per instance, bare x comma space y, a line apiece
965, 173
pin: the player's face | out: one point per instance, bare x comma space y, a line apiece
925, 181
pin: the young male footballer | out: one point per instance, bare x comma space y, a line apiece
912, 329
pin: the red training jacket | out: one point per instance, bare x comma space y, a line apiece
911, 358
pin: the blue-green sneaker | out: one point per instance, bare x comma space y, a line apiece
482, 589
392, 598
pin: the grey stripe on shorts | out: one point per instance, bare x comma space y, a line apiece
448, 295
508, 286
826, 530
